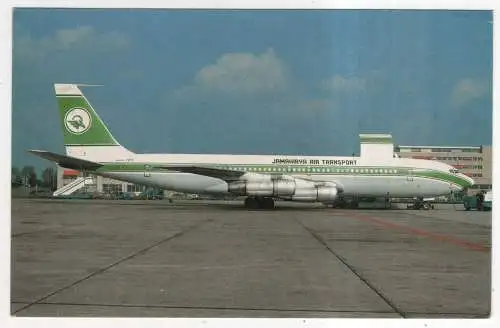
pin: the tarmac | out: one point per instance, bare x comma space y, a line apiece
101, 258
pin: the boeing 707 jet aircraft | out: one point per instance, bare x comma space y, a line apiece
90, 146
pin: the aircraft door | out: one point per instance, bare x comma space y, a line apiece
147, 170
409, 176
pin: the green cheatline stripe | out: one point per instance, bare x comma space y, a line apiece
436, 175
311, 170
261, 168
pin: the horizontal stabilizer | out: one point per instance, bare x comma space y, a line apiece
67, 161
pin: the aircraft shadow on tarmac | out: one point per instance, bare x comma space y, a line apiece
193, 205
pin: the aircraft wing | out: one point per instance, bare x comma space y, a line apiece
67, 161
231, 175
223, 174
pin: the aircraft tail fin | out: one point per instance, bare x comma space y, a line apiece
85, 134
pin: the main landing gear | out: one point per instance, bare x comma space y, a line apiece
259, 202
341, 202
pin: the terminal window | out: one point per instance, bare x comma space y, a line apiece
111, 187
134, 188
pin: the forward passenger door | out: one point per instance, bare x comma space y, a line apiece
147, 170
409, 176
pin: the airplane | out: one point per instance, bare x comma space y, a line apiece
261, 179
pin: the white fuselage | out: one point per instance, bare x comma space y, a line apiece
397, 177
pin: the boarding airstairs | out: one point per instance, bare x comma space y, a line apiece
73, 186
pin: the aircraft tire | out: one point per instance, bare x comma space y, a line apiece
267, 203
259, 203
251, 202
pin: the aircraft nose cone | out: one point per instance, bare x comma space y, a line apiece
470, 181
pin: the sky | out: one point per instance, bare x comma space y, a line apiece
283, 82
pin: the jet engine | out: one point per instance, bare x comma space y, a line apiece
287, 188
315, 194
277, 188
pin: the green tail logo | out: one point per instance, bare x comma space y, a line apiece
81, 124
78, 120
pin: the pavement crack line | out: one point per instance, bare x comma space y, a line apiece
106, 268
353, 270
222, 308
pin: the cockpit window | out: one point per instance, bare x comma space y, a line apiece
453, 171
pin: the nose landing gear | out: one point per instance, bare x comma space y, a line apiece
420, 204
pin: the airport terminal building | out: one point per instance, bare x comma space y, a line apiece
73, 181
473, 161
